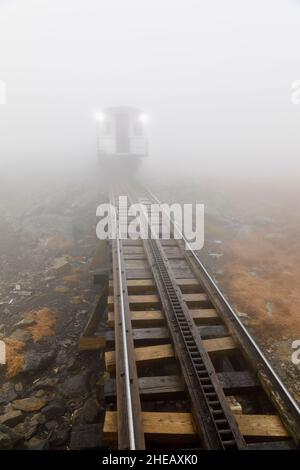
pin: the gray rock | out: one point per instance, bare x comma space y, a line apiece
29, 404
19, 387
90, 411
37, 444
12, 418
54, 409
21, 335
47, 384
5, 442
24, 324
50, 425
26, 429
7, 393
75, 386
59, 437
86, 436
35, 361
13, 436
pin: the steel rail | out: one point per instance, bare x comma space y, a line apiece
129, 408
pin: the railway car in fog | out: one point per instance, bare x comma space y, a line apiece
122, 135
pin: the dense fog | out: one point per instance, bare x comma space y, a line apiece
215, 77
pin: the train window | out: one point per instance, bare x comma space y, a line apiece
138, 128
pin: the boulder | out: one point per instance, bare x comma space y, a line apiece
8, 437
36, 361
7, 393
12, 418
54, 409
37, 444
90, 411
59, 437
86, 436
75, 386
29, 404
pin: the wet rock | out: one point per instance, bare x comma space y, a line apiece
47, 384
59, 437
75, 386
8, 437
19, 387
86, 436
54, 409
60, 265
29, 404
12, 418
36, 361
37, 419
25, 323
40, 393
7, 393
62, 289
27, 429
37, 444
21, 335
63, 358
90, 411
51, 425
5, 442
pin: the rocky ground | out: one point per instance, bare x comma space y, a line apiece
50, 393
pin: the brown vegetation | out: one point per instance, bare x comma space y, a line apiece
15, 358
44, 322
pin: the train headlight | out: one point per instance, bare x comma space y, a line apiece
144, 118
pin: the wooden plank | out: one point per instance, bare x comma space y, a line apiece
287, 444
196, 300
134, 256
91, 343
169, 386
152, 318
136, 286
261, 425
237, 382
142, 273
139, 301
150, 387
142, 318
143, 335
204, 316
182, 424
219, 345
143, 356
152, 300
152, 354
212, 331
149, 298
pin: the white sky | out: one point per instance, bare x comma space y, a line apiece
215, 76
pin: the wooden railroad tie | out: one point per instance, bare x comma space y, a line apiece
182, 424
165, 352
153, 318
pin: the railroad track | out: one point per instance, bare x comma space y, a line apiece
182, 369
